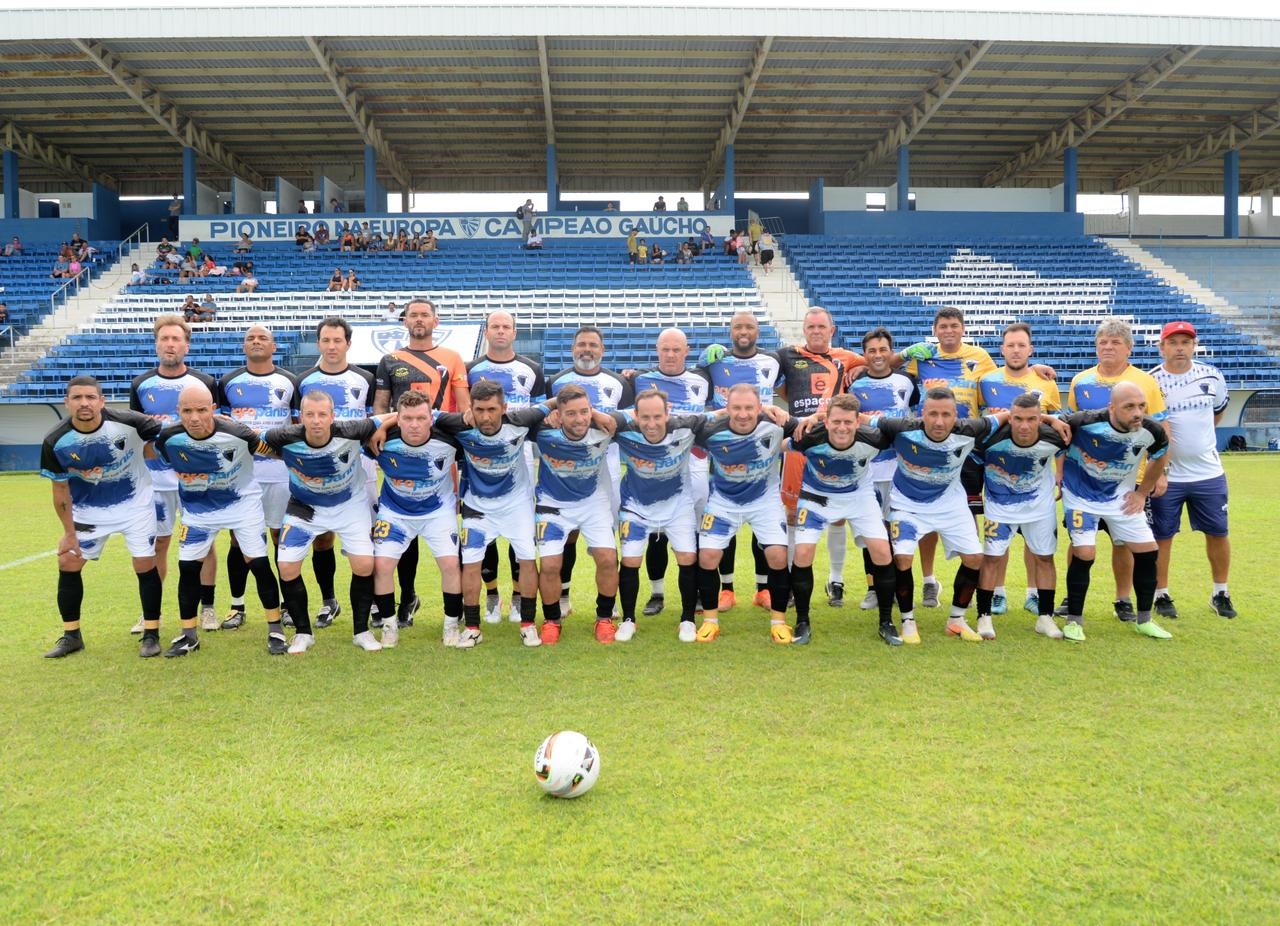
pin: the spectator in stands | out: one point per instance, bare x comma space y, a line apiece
682, 205
171, 262
208, 308
742, 248
610, 207
335, 281
194, 251
694, 247
660, 205
429, 242
707, 242
302, 206
321, 237
767, 246
730, 242
77, 242
163, 250
244, 245
302, 238
683, 253
249, 283
4, 314
534, 241
526, 215
631, 246
363, 237
334, 205
137, 277
65, 252
175, 210
642, 252
375, 243
351, 283
61, 269
189, 308
13, 248
348, 240
74, 267
392, 314
754, 230
402, 241
188, 269
85, 251
656, 254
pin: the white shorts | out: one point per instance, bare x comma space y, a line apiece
351, 521
392, 533
371, 481
1082, 527
139, 535
680, 526
953, 522
722, 521
699, 483
815, 513
593, 518
1040, 535
882, 497
275, 499
245, 520
167, 507
481, 528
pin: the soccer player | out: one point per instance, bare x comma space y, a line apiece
101, 486
688, 391
996, 392
495, 500
837, 487
155, 393
1099, 480
744, 448
1091, 390
884, 392
1021, 479
522, 380
657, 496
1196, 396
607, 391
809, 376
216, 464
261, 396
417, 500
326, 493
350, 389
439, 372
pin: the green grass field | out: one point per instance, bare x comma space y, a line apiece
1025, 780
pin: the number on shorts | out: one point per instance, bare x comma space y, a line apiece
708, 521
462, 536
894, 530
802, 515
990, 529
539, 530
1077, 519
284, 532
381, 529
182, 533
624, 530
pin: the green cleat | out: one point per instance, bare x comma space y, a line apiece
1153, 630
1073, 632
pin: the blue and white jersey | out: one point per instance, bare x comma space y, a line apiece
892, 396
928, 472
328, 475
744, 467
657, 475
763, 370
520, 378
689, 391
572, 471
606, 390
215, 473
351, 390
828, 471
417, 479
497, 476
109, 479
1193, 399
1019, 481
156, 395
1102, 463
261, 401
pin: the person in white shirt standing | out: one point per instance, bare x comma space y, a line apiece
1196, 396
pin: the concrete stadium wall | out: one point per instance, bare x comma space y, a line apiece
958, 225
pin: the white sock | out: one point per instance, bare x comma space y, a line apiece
957, 614
837, 544
1220, 587
791, 545
238, 602
658, 586
1161, 591
1000, 591
909, 616
930, 578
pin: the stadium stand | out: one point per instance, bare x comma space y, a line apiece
1244, 276
31, 294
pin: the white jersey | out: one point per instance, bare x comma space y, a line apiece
1193, 399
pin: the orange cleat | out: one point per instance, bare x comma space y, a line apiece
550, 633
763, 600
605, 631
728, 600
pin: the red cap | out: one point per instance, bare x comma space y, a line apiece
1173, 328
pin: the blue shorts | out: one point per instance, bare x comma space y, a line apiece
1206, 503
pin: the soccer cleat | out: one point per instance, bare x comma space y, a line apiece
1073, 632
65, 646
687, 632
406, 611
549, 634
763, 599
1222, 606
910, 633
566, 607
276, 644
654, 605
529, 635
365, 641
802, 635
1153, 630
514, 614
728, 600
149, 647
286, 619
1123, 611
707, 632
1165, 607
390, 634
209, 618
889, 634
327, 613
301, 642
605, 631
492, 609
960, 628
1062, 609
1032, 604
781, 633
138, 627
181, 645
929, 593
626, 630
470, 638
234, 619
986, 629
999, 605
835, 594
870, 601
1047, 627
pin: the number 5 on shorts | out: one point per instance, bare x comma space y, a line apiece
1077, 519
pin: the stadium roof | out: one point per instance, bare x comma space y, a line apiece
466, 97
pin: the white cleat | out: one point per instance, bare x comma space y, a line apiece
566, 608
493, 610
138, 627
529, 636
209, 619
451, 631
469, 638
1048, 627
366, 642
986, 629
300, 643
390, 634
626, 630
871, 601
513, 615
688, 632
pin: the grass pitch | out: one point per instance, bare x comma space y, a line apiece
1025, 780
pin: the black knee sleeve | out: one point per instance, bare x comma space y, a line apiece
489, 565
628, 590
802, 588
237, 571
188, 589
656, 557
779, 585
966, 582
904, 590
324, 563
70, 595
1144, 579
265, 580
295, 600
1078, 585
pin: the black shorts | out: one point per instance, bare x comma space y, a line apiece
971, 481
766, 256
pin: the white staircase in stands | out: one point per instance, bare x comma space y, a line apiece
784, 301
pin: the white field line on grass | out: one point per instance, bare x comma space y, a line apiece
26, 559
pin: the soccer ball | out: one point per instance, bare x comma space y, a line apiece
567, 764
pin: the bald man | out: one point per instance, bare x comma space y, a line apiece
1099, 481
213, 460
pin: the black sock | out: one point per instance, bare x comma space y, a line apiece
70, 595
188, 589
407, 571
779, 585
567, 562
529, 609
361, 598
656, 557
604, 607
550, 612
1144, 582
802, 587
628, 590
237, 573
325, 566
295, 601
452, 603
762, 565
727, 563
265, 580
1077, 585
965, 584
984, 600
386, 605
709, 590
514, 563
207, 595
886, 585
1044, 601
489, 565
150, 590
868, 568
471, 615
688, 591
905, 590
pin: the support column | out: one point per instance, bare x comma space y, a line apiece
12, 208
553, 180
370, 179
1231, 194
1135, 210
904, 178
1070, 179
727, 184
189, 195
